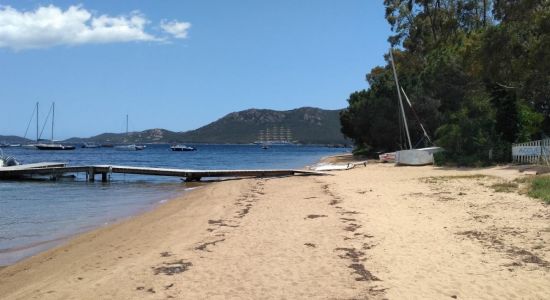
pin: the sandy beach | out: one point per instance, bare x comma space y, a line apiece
373, 232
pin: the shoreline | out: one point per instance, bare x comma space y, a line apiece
375, 231
60, 240
39, 247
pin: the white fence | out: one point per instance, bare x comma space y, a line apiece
535, 152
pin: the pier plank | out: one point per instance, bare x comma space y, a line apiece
58, 169
34, 166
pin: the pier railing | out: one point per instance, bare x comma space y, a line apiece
534, 152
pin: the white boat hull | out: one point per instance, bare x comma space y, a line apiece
416, 157
130, 148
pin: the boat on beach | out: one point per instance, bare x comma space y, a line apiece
387, 157
181, 148
411, 156
416, 157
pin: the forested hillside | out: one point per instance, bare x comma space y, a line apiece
307, 125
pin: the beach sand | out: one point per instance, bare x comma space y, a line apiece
372, 232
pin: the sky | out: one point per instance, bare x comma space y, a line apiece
180, 64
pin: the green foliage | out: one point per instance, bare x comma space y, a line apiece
540, 188
361, 152
529, 121
477, 72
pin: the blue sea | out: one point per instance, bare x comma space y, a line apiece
39, 214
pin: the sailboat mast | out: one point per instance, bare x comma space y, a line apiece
37, 122
126, 125
53, 118
400, 100
416, 116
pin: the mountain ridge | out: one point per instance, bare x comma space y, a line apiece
304, 125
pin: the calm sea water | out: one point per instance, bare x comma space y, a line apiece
36, 215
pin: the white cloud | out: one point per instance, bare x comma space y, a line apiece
49, 26
177, 29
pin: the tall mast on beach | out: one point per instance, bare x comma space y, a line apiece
400, 100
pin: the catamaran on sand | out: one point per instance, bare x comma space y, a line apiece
411, 156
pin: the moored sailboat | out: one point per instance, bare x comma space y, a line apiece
52, 145
131, 147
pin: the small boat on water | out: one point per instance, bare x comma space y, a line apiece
4, 145
132, 147
90, 145
182, 148
54, 147
107, 145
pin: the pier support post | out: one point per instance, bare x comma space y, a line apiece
193, 179
91, 174
103, 177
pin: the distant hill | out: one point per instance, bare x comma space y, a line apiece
144, 137
306, 125
12, 139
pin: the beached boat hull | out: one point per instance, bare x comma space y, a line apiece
416, 157
387, 157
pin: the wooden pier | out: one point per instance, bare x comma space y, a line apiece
57, 170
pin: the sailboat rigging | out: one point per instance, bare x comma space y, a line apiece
411, 156
51, 145
131, 147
